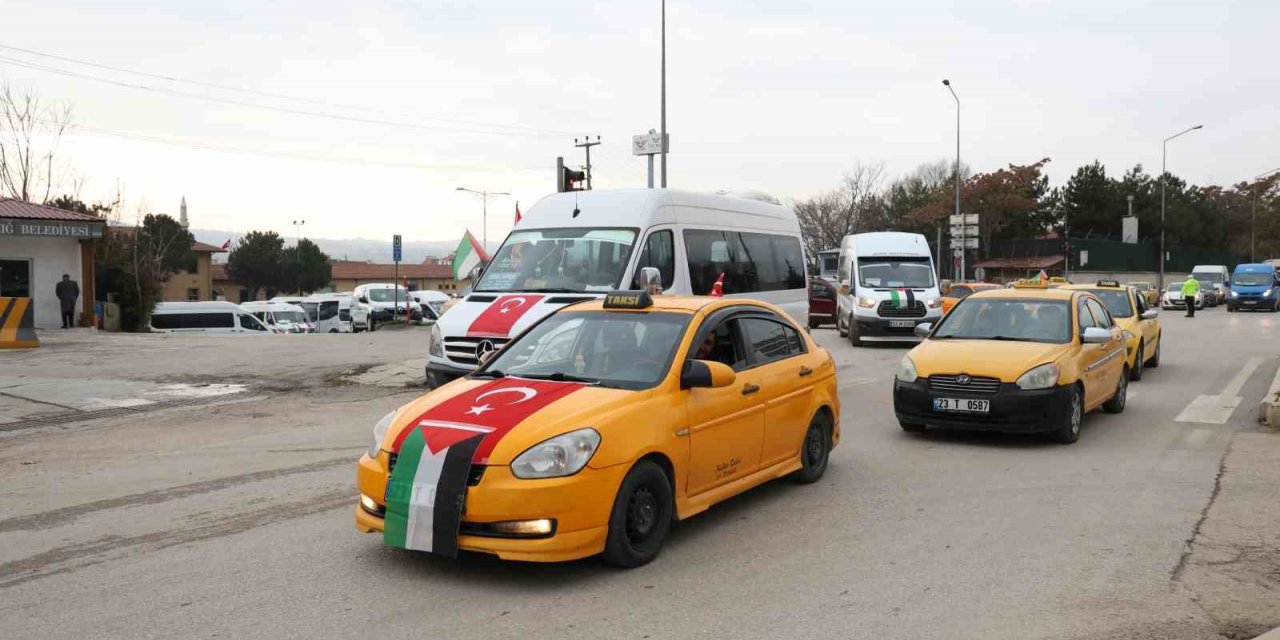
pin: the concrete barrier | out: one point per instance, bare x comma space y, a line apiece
17, 324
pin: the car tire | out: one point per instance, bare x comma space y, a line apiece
854, 338
813, 324
911, 427
1231, 308
641, 517
815, 451
841, 328
1135, 374
1155, 359
1068, 430
1115, 404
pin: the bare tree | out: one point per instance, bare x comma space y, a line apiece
856, 206
30, 131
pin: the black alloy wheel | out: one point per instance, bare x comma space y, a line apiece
641, 517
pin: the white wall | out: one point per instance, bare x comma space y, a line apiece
50, 258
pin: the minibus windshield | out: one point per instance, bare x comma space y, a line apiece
895, 273
559, 260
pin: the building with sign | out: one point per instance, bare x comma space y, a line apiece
38, 244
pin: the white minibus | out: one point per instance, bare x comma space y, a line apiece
887, 285
205, 317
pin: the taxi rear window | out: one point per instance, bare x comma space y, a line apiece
1028, 320
1116, 301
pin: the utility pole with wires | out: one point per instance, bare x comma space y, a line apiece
587, 144
297, 252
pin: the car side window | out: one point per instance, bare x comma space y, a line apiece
659, 252
1086, 318
1139, 302
1100, 316
250, 323
721, 343
770, 340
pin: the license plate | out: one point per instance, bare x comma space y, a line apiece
962, 405
1251, 302
902, 323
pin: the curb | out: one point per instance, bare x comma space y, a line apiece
1273, 634
1269, 414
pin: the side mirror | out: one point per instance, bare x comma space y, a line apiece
364, 299
1096, 335
944, 287
705, 374
1150, 314
923, 329
651, 280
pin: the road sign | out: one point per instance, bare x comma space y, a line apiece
979, 273
969, 218
969, 243
648, 144
970, 230
395, 248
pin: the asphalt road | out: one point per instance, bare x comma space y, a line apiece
235, 521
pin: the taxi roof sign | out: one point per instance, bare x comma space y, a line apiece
1108, 283
628, 300
1030, 283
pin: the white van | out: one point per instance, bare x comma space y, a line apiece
374, 303
280, 317
205, 317
329, 312
431, 303
577, 246
887, 285
1218, 278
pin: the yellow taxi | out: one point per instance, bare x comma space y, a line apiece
1032, 359
1136, 318
592, 430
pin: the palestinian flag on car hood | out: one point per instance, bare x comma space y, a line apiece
902, 298
434, 453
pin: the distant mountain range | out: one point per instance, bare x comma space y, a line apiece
414, 252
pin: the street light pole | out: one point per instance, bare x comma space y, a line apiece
663, 126
1164, 180
1253, 222
484, 209
964, 232
297, 251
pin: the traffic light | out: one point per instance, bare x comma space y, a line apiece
566, 178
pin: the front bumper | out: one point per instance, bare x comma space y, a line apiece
580, 504
440, 373
1013, 410
1251, 302
875, 328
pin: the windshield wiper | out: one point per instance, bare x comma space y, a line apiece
559, 377
490, 373
552, 290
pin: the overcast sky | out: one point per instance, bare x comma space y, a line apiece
780, 96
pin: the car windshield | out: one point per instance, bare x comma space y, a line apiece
613, 349
296, 317
1175, 287
568, 260
893, 273
1252, 279
1116, 301
830, 263
1004, 319
1210, 277
387, 295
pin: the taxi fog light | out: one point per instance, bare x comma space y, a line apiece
906, 370
435, 345
540, 527
380, 432
371, 505
1041, 377
866, 302
563, 455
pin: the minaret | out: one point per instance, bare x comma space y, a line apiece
182, 215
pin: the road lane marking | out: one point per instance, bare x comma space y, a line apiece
1218, 409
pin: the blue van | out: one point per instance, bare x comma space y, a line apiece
1254, 286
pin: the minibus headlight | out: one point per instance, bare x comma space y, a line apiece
866, 302
1233, 294
436, 346
933, 303
1268, 293
380, 432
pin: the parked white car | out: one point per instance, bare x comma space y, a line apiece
280, 317
375, 302
206, 317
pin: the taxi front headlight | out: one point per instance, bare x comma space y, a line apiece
563, 455
380, 432
866, 302
933, 303
435, 345
906, 370
1041, 377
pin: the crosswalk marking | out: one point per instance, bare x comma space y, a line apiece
1218, 409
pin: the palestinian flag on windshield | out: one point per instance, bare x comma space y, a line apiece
902, 298
428, 486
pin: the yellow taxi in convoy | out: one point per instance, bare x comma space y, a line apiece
1136, 318
1030, 359
592, 430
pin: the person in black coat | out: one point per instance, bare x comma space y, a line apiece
68, 292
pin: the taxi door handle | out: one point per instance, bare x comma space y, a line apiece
804, 371
748, 389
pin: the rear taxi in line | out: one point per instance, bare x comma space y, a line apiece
592, 430
1031, 359
954, 293
1136, 319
